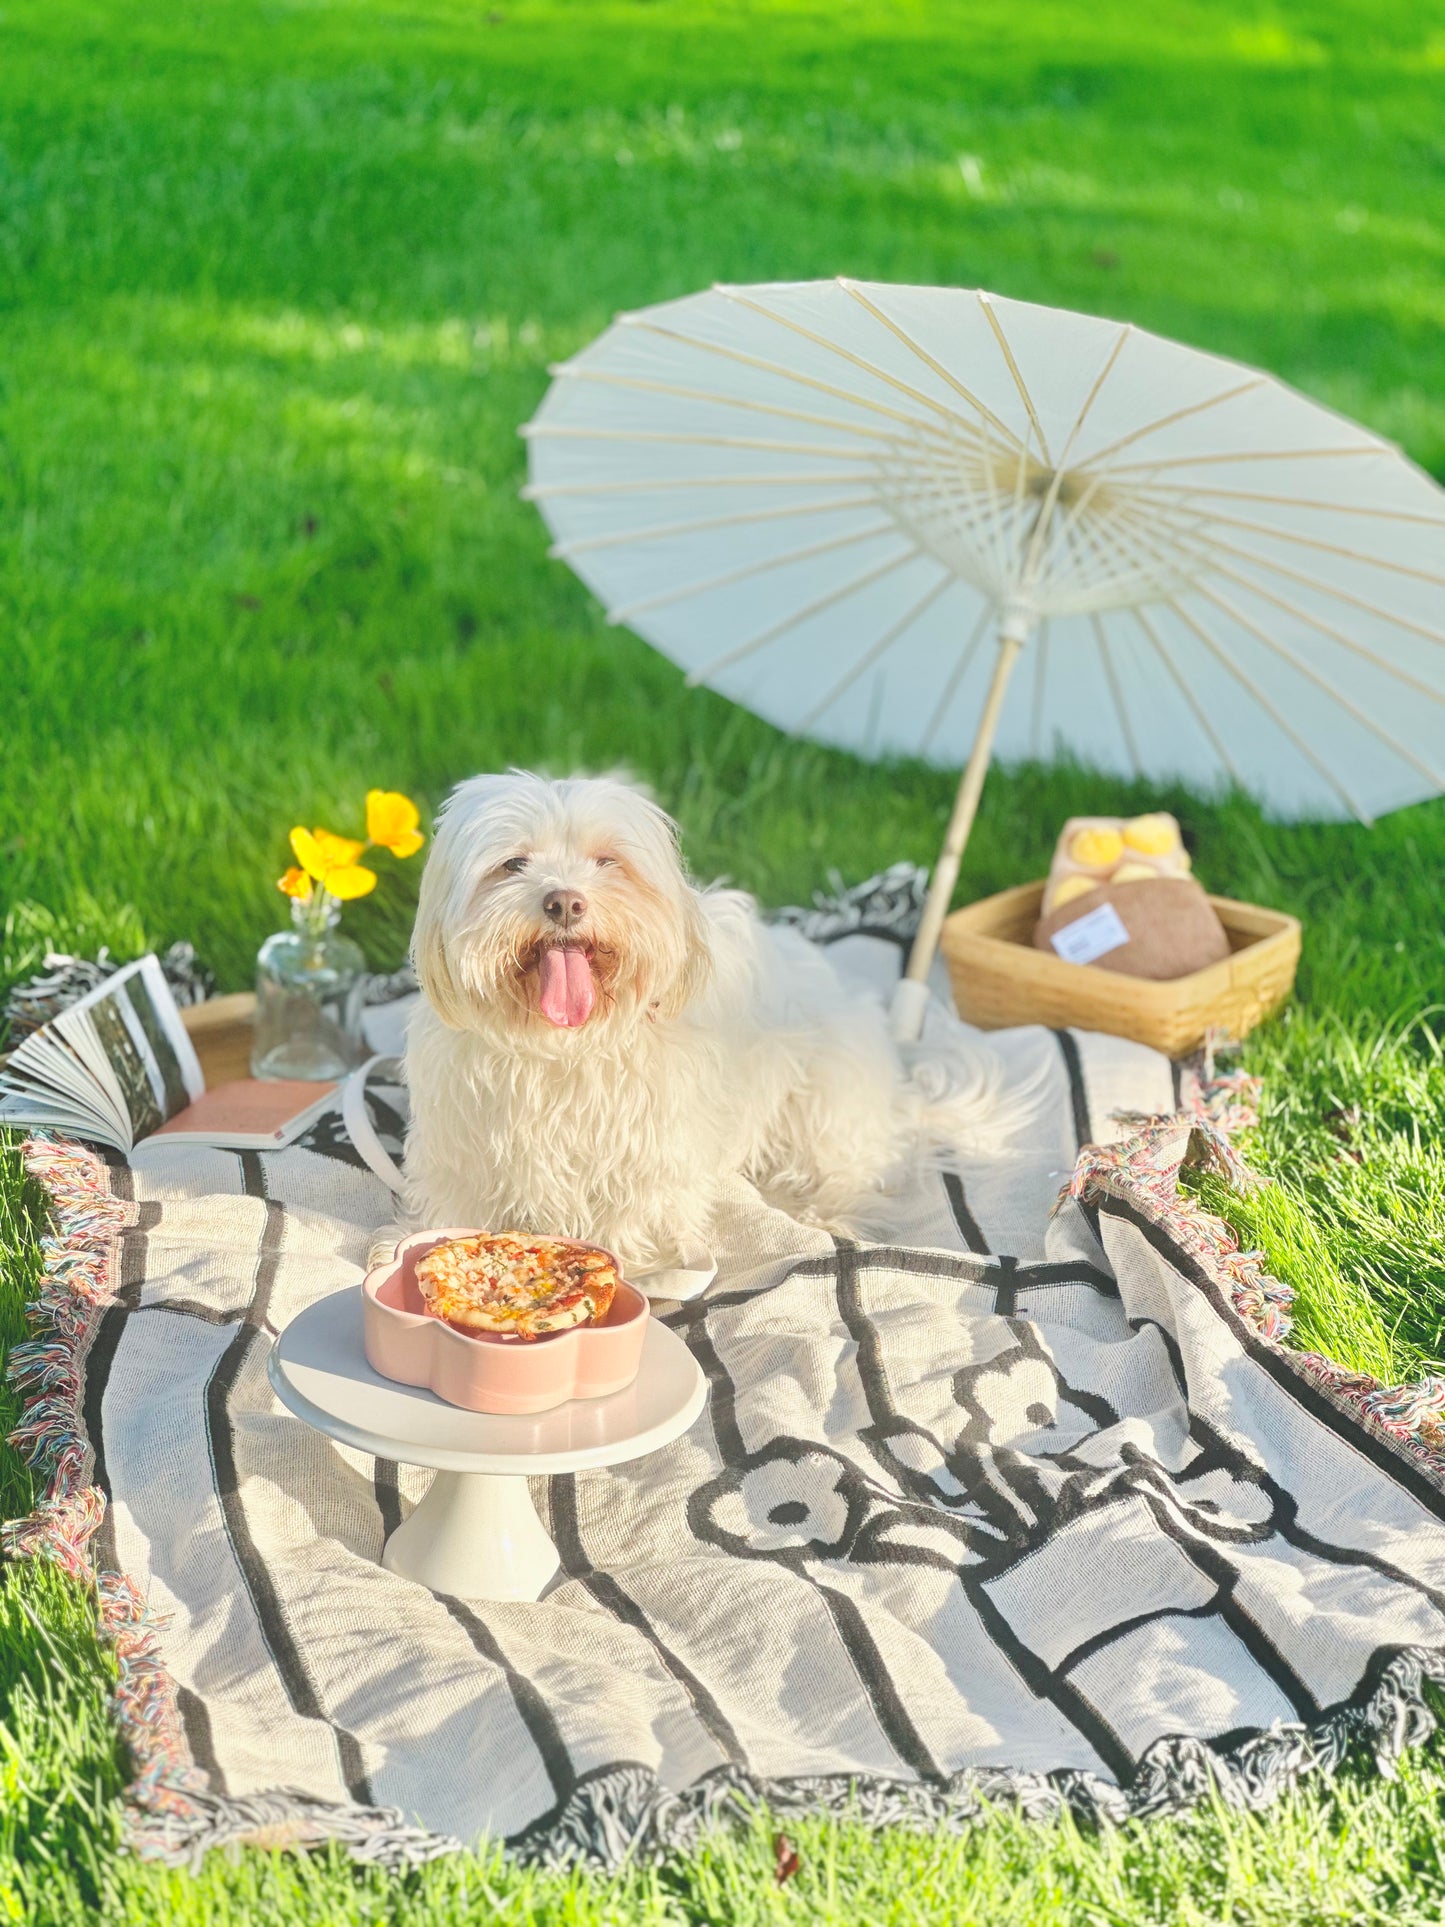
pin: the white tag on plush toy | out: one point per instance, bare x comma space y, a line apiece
1087, 938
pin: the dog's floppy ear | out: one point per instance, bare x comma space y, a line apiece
428, 946
696, 969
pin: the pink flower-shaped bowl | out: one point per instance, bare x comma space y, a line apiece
493, 1371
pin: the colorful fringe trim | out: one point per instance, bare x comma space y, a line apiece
79, 1251
174, 1816
1144, 1169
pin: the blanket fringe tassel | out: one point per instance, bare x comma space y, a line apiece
622, 1813
1144, 1168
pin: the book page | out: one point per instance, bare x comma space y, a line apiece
112, 1066
42, 1113
93, 1048
48, 1072
129, 1033
154, 1008
46, 1058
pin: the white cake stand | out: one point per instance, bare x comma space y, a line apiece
476, 1534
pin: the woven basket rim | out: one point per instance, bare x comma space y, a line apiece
959, 929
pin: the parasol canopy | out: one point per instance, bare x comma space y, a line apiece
855, 507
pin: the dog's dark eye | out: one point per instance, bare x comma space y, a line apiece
601, 861
515, 864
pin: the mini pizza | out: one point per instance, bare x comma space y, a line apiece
515, 1285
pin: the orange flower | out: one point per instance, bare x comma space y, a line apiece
331, 860
295, 883
391, 822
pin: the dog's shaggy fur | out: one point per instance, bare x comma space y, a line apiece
600, 1045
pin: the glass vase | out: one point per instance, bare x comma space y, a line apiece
309, 985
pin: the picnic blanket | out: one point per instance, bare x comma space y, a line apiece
1025, 1503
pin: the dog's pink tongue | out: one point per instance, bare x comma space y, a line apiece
567, 990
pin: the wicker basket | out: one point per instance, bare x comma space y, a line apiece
1000, 979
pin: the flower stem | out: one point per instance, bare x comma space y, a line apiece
316, 913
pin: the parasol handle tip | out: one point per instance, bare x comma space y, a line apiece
1017, 618
909, 1007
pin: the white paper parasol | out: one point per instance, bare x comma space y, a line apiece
853, 507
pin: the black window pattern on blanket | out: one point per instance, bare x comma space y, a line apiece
1033, 1483
386, 1106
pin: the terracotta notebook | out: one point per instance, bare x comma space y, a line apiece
253, 1114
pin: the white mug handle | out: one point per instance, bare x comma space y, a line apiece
359, 1128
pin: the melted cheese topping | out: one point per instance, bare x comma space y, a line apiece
506, 1282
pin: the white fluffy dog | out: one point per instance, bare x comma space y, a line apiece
600, 1045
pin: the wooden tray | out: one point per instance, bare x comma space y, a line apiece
220, 1029
1000, 979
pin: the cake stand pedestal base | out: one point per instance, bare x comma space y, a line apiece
477, 1536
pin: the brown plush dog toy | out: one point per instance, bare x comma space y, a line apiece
1120, 895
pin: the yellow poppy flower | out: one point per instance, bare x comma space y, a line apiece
352, 880
391, 822
331, 859
322, 850
295, 883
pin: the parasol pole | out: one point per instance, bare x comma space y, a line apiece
910, 999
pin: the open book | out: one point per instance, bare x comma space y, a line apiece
118, 1067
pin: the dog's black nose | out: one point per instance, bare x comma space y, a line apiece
564, 906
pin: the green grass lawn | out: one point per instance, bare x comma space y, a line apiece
277, 284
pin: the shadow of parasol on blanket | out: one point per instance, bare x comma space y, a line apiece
824, 499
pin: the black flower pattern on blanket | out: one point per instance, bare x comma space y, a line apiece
1032, 1453
793, 1501
796, 1503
